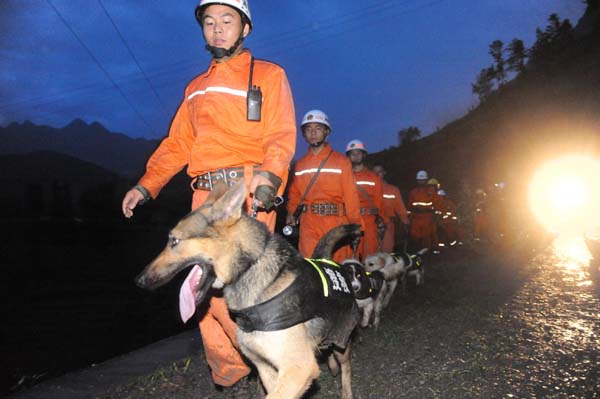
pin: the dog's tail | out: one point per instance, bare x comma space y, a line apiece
326, 245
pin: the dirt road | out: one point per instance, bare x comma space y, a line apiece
488, 323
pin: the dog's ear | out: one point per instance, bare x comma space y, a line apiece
219, 188
228, 208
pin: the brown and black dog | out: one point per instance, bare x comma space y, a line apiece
286, 307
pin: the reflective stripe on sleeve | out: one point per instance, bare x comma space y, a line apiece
314, 170
218, 89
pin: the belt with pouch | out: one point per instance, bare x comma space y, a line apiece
369, 211
328, 209
229, 176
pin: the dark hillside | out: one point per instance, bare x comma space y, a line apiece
550, 109
47, 184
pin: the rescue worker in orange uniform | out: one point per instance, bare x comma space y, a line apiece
394, 211
449, 229
222, 136
423, 202
370, 192
332, 199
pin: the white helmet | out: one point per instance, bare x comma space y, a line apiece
441, 192
316, 116
240, 5
356, 145
422, 175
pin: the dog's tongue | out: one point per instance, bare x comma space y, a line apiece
187, 299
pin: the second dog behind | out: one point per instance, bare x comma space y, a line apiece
397, 267
369, 291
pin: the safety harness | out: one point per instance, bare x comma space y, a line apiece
321, 289
413, 261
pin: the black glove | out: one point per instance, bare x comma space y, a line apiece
266, 195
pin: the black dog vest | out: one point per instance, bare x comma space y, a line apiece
321, 290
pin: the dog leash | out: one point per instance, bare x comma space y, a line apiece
354, 244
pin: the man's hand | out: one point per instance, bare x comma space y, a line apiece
290, 219
130, 201
258, 180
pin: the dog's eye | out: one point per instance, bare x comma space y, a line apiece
173, 241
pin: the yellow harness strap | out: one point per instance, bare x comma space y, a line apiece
313, 262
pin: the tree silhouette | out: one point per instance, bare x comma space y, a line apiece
408, 135
484, 83
592, 4
516, 56
496, 51
551, 42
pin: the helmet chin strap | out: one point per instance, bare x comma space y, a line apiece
318, 144
220, 52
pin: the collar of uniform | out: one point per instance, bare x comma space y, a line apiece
237, 63
324, 152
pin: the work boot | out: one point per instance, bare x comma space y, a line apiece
248, 387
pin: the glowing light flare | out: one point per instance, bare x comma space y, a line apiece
564, 195
572, 253
569, 193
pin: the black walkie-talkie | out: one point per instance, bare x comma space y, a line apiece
253, 98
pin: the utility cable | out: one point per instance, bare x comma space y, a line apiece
133, 56
108, 76
296, 38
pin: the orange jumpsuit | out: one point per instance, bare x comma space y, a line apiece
423, 202
334, 185
371, 209
449, 230
393, 207
210, 132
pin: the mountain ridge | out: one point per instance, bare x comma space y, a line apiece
89, 142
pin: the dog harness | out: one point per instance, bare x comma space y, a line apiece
321, 289
370, 282
414, 261
373, 284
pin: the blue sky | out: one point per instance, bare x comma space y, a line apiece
375, 67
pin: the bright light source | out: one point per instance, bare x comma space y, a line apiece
565, 195
569, 193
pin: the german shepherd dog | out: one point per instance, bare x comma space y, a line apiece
369, 291
276, 297
397, 267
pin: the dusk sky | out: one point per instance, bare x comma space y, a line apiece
374, 66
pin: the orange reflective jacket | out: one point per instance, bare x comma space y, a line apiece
423, 203
424, 199
210, 130
393, 205
333, 185
371, 184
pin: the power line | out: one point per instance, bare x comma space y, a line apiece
132, 55
108, 76
350, 23
296, 38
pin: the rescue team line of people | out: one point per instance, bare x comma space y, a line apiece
237, 122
